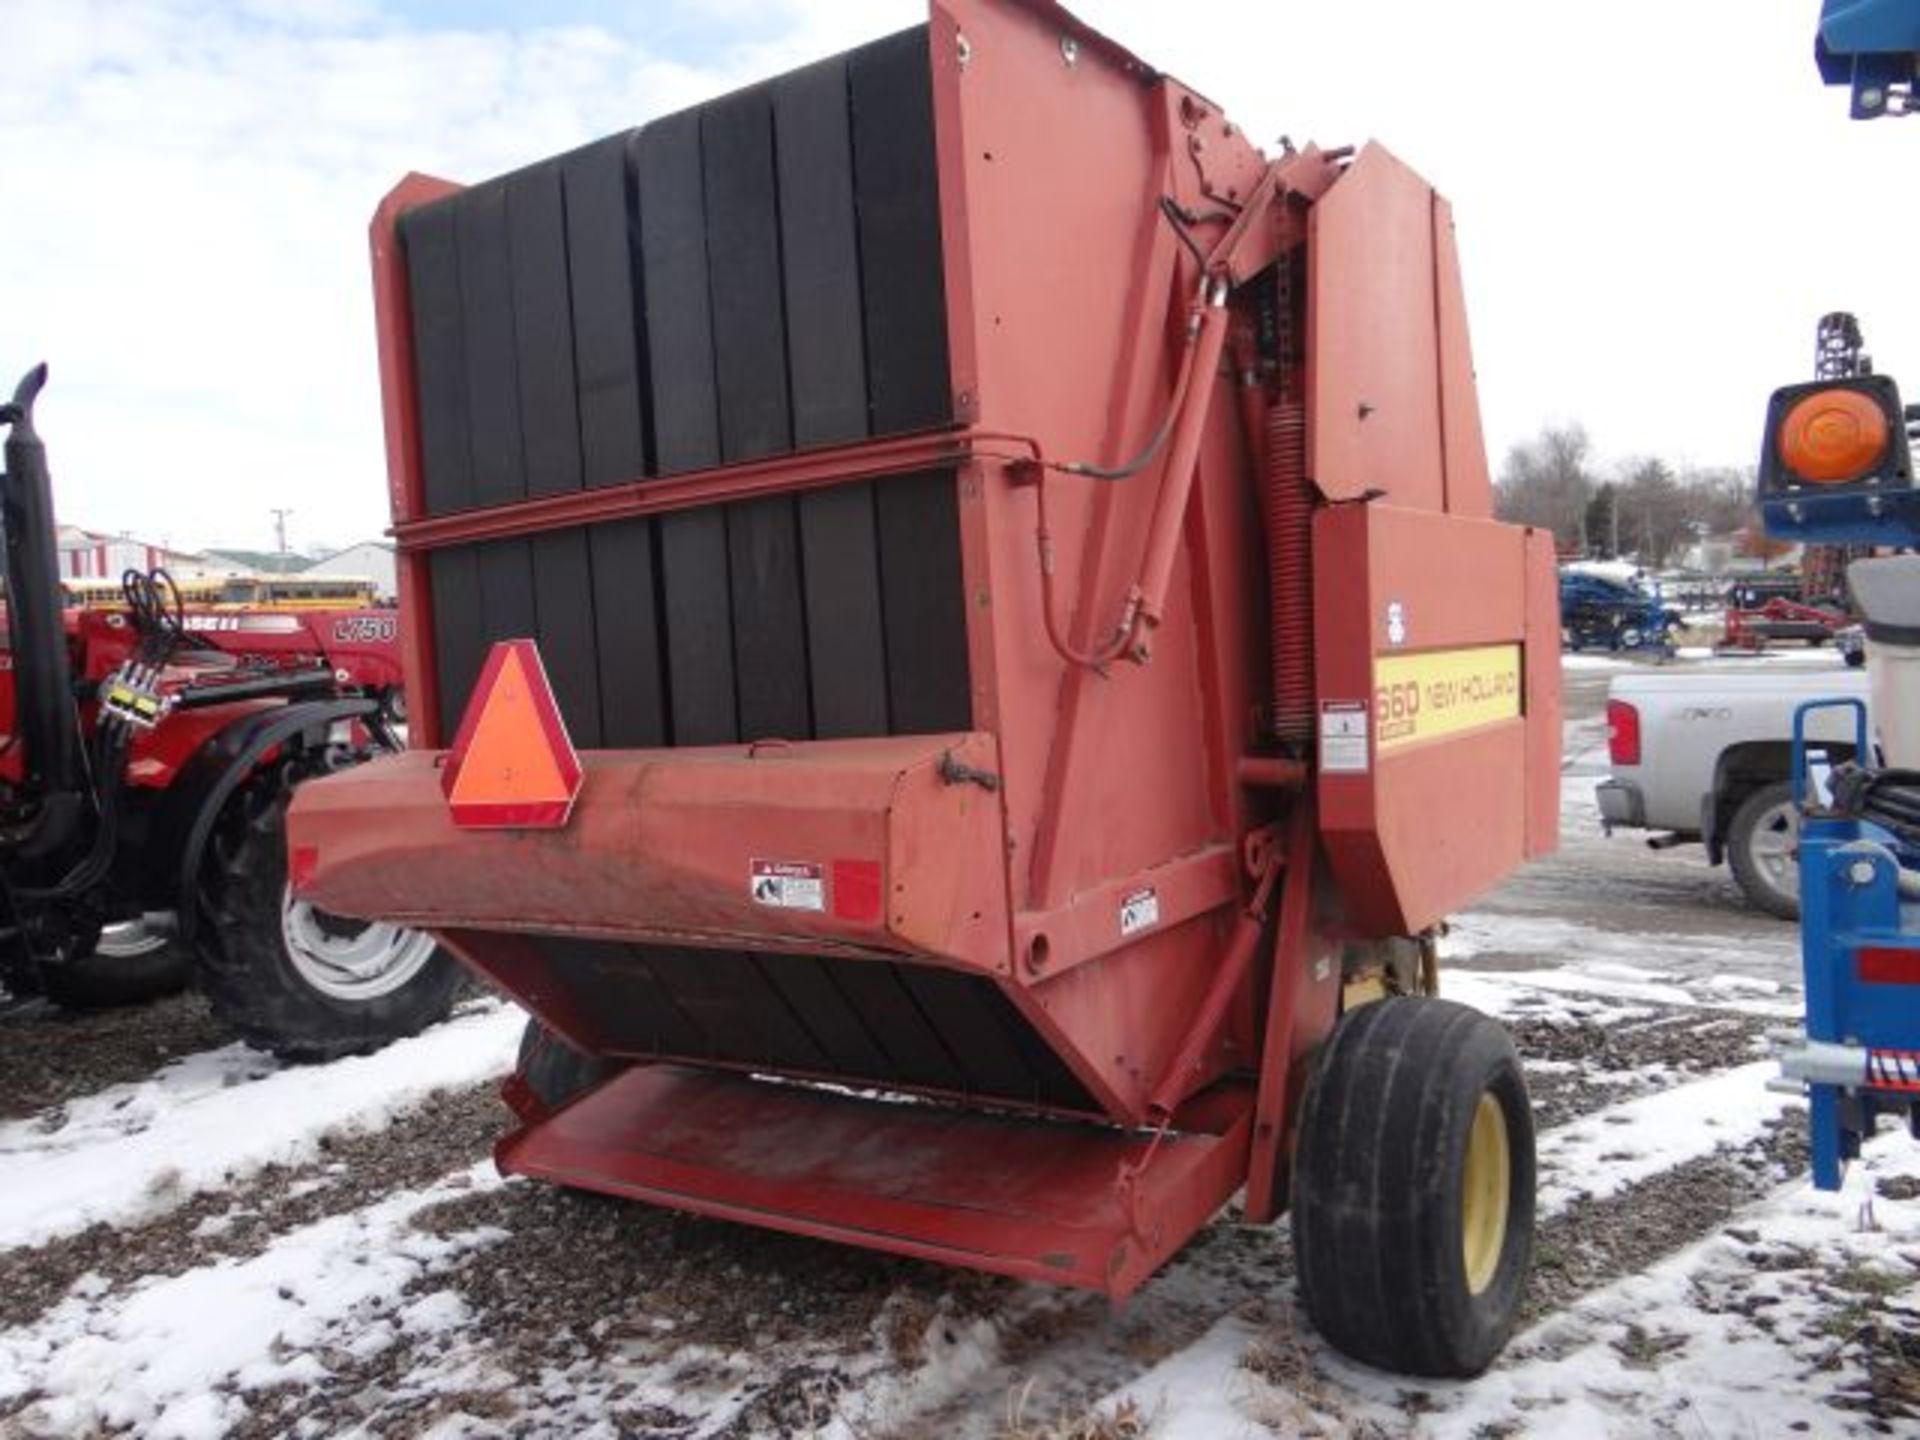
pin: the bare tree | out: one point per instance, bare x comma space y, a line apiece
1546, 482
1643, 509
1719, 499
1654, 518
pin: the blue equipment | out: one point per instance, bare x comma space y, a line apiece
1870, 46
1604, 614
1836, 468
1860, 946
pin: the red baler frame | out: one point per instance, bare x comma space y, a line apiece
1005, 852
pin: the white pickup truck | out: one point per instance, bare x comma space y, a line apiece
1706, 757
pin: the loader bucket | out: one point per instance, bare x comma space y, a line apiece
939, 858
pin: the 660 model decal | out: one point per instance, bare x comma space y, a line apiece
1444, 692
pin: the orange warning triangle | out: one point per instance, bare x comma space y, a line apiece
512, 765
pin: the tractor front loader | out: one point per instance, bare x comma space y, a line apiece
1018, 565
144, 783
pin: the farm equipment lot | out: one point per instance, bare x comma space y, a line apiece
194, 1240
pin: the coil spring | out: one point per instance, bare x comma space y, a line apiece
1289, 513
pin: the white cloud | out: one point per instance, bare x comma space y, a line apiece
1655, 202
185, 234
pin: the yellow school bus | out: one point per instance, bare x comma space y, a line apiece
296, 592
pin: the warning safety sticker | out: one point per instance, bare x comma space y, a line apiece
787, 885
1343, 737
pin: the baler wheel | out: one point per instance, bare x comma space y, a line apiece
556, 1072
1413, 1188
329, 1000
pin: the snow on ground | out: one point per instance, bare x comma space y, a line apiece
208, 1119
1582, 959
175, 1357
1754, 1331
1605, 1152
1639, 1010
1758, 1330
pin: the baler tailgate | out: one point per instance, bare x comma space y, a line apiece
1036, 1199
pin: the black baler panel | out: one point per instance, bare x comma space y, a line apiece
755, 275
769, 630
924, 595
750, 380
686, 427
846, 646
486, 308
563, 611
439, 356
819, 250
611, 369
743, 275
696, 597
506, 589
459, 632
633, 702
679, 321
858, 1020
826, 358
543, 331
897, 181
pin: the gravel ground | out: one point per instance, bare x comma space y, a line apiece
48, 1056
451, 1130
704, 1297
577, 1308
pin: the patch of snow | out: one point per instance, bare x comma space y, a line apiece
955, 1354
1738, 1322
1198, 1393
435, 1314
1731, 1336
136, 1149
165, 1357
1606, 961
1604, 1152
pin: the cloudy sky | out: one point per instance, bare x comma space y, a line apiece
1655, 202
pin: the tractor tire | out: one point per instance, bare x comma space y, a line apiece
556, 1072
1762, 841
130, 967
293, 980
1413, 1188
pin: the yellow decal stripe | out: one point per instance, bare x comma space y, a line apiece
1443, 692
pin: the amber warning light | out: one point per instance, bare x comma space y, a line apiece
1832, 437
512, 766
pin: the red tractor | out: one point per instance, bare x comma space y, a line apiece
144, 781
361, 645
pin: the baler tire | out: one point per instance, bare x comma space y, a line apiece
245, 969
106, 982
1755, 813
1391, 1132
556, 1072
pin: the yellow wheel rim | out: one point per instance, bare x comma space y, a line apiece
1484, 1190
